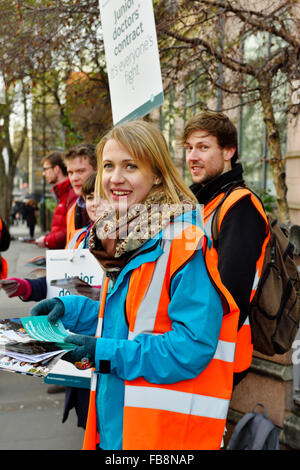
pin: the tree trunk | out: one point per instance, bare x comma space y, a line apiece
276, 160
6, 189
7, 175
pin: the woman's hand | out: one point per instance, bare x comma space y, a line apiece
82, 356
54, 308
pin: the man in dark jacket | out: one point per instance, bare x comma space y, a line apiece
55, 172
210, 141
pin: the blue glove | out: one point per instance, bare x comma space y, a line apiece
54, 308
83, 357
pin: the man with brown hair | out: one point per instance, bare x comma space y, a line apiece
210, 142
81, 161
55, 172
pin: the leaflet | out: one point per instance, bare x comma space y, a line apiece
29, 358
37, 369
37, 261
41, 329
30, 344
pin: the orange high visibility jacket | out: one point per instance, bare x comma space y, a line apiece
70, 223
244, 347
189, 414
76, 239
4, 268
3, 262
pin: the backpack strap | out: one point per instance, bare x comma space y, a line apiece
234, 440
229, 200
264, 429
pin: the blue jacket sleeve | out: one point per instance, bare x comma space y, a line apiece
183, 352
81, 314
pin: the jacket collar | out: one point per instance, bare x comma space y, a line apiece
62, 187
221, 183
149, 252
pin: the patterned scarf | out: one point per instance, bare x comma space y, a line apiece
115, 237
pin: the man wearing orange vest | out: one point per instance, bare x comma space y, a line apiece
210, 142
81, 162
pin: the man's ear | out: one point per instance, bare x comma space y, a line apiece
228, 153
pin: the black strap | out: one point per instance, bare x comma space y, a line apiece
217, 210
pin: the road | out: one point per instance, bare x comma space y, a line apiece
30, 417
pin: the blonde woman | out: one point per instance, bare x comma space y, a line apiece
160, 380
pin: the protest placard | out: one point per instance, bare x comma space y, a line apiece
67, 264
132, 57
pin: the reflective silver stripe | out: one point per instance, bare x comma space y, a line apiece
94, 377
99, 327
256, 281
146, 315
225, 351
174, 230
93, 384
175, 401
71, 244
100, 320
208, 225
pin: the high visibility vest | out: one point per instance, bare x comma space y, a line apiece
76, 239
244, 346
3, 262
4, 268
70, 223
189, 414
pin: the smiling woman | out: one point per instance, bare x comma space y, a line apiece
162, 379
144, 151
123, 180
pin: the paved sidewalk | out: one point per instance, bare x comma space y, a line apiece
30, 417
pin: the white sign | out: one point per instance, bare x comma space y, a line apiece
132, 57
66, 374
65, 264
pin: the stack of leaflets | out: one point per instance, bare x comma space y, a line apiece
37, 261
31, 345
